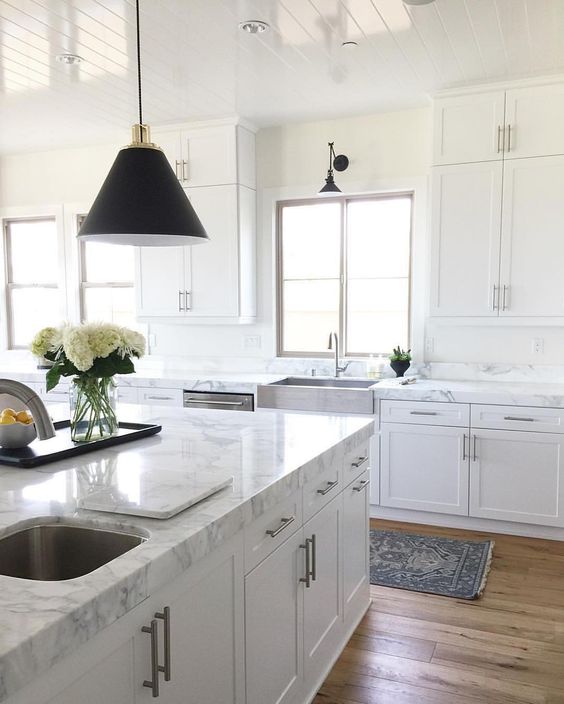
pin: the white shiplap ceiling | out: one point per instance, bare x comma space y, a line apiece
197, 63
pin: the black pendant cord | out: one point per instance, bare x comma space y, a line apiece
139, 64
331, 152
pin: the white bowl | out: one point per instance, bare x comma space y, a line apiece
17, 435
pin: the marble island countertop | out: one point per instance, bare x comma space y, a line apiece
269, 453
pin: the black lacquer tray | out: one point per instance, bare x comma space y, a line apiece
61, 446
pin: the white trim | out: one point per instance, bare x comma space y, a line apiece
466, 522
493, 86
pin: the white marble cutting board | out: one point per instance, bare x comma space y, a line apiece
154, 494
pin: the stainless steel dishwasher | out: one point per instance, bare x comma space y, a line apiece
220, 401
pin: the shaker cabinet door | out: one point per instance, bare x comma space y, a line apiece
532, 242
466, 222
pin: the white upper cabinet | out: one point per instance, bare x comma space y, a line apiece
533, 121
210, 154
214, 281
496, 223
163, 280
466, 220
512, 124
532, 244
469, 128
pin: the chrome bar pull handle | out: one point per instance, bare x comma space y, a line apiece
423, 413
528, 420
499, 146
307, 578
164, 615
362, 485
508, 138
313, 543
464, 447
504, 304
474, 451
330, 485
153, 683
359, 462
495, 305
180, 307
284, 523
185, 172
187, 300
178, 170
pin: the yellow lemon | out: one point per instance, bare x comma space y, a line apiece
24, 417
7, 420
9, 412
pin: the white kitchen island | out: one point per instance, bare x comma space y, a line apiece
254, 617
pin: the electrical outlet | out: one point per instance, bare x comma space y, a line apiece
538, 345
430, 344
253, 342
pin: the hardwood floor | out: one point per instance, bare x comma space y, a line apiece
505, 648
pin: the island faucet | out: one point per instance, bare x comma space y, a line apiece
334, 345
43, 423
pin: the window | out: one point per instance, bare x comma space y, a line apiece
344, 266
32, 278
106, 283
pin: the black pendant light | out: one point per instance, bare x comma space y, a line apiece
141, 202
339, 163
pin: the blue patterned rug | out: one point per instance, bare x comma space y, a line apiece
425, 563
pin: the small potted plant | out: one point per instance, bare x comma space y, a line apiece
400, 360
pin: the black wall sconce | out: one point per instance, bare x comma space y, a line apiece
339, 163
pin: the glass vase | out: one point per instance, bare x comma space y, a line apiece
93, 409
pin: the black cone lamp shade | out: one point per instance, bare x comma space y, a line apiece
330, 185
339, 163
142, 203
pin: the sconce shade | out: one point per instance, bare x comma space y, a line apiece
142, 203
330, 185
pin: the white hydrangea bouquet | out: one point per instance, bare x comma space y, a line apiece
92, 354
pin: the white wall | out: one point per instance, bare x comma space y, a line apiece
389, 151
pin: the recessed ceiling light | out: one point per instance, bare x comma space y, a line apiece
69, 59
418, 2
254, 26
349, 45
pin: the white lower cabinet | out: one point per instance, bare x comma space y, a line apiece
424, 467
356, 515
274, 625
518, 476
323, 604
109, 681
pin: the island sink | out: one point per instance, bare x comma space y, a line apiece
56, 551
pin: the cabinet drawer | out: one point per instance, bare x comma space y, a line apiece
161, 397
320, 489
425, 413
271, 529
540, 420
355, 462
128, 394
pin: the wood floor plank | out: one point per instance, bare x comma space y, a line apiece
359, 667
505, 648
522, 668
457, 636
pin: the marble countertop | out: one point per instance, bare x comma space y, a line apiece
269, 453
507, 393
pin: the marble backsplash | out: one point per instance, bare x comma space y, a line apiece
323, 367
